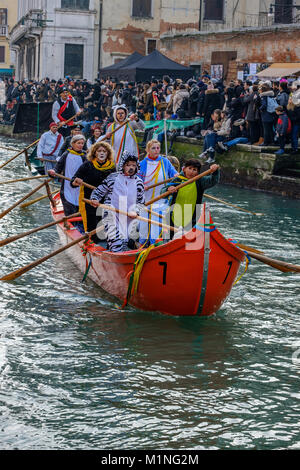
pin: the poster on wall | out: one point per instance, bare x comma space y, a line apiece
252, 69
216, 71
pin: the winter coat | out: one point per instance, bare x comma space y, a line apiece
294, 115
252, 111
212, 101
282, 99
236, 109
179, 96
282, 124
265, 115
225, 128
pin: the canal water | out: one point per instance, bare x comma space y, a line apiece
76, 372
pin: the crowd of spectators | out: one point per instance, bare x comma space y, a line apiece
262, 113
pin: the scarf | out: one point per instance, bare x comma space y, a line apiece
108, 165
81, 154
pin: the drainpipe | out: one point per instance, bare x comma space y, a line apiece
100, 35
200, 15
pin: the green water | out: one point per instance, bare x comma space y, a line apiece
78, 373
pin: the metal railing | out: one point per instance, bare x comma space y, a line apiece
3, 30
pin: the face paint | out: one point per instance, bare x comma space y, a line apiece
101, 154
130, 168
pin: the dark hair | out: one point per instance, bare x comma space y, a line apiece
280, 109
193, 162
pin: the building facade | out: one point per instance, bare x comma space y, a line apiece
8, 18
237, 38
56, 38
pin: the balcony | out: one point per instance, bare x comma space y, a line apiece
33, 22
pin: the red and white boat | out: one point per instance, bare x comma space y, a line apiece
189, 276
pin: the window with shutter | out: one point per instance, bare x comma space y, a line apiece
3, 16
214, 10
284, 11
2, 53
75, 4
142, 8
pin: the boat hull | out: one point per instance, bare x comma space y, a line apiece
190, 276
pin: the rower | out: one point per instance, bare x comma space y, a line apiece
63, 109
49, 146
185, 204
124, 139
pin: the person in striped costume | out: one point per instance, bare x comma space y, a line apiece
122, 190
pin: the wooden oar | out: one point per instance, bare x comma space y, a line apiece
116, 130
7, 148
47, 160
274, 263
192, 180
206, 195
159, 184
24, 179
14, 238
18, 154
14, 275
34, 143
143, 219
231, 205
23, 199
57, 175
38, 199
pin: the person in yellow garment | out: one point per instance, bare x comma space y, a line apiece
185, 203
124, 139
99, 165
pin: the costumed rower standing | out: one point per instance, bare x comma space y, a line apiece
49, 146
125, 138
186, 203
63, 109
123, 190
99, 166
67, 165
153, 169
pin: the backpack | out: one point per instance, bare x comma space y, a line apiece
271, 105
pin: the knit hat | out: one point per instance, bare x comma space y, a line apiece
53, 124
77, 137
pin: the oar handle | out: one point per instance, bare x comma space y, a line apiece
63, 123
47, 160
116, 130
192, 180
57, 175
